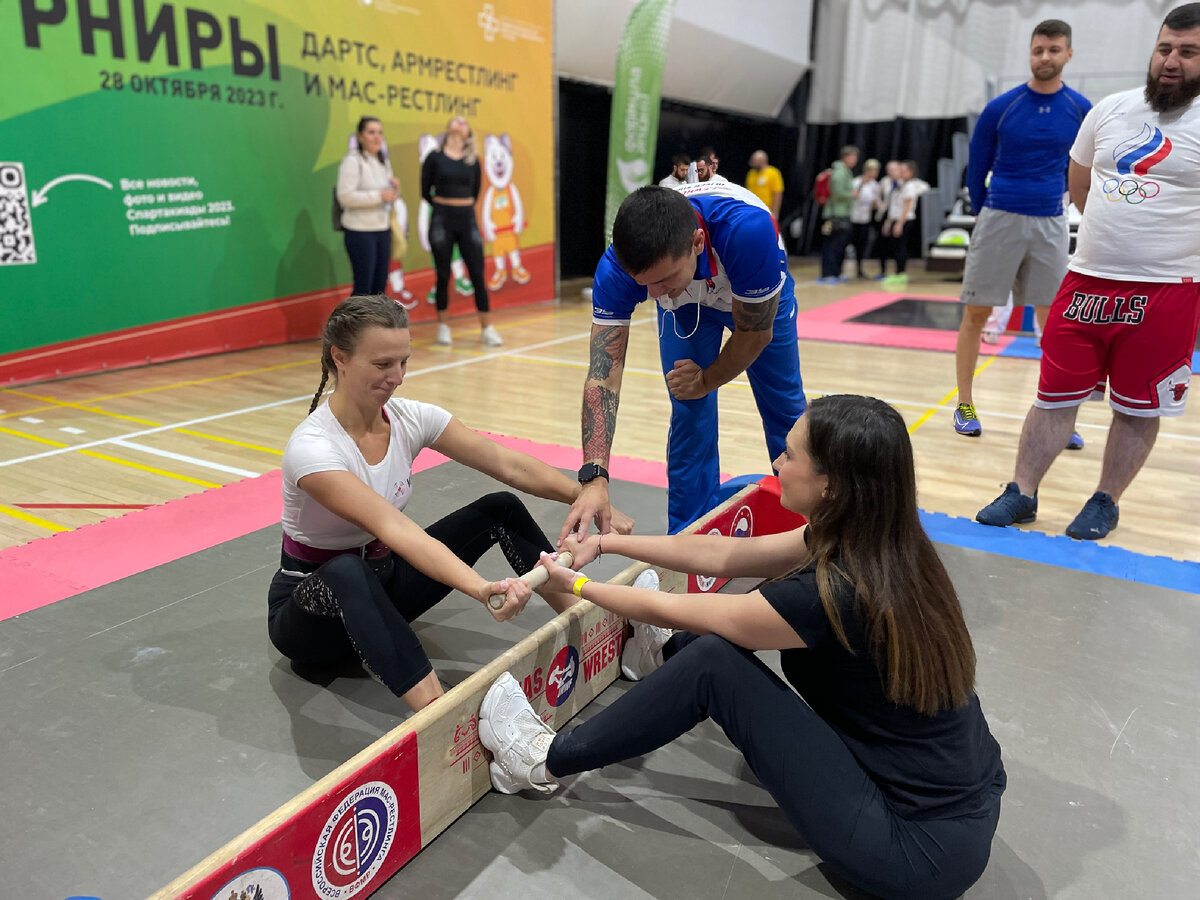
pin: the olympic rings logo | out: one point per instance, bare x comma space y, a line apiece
1130, 190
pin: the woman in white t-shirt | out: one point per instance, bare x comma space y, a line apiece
862, 214
355, 570
901, 216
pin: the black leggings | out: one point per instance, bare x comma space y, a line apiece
369, 252
807, 768
355, 607
896, 248
450, 225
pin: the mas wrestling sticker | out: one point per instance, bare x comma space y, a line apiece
255, 884
355, 841
564, 672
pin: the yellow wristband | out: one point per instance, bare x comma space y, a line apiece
577, 587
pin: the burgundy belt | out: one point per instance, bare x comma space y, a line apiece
375, 550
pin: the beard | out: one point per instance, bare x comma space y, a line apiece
1164, 98
1047, 73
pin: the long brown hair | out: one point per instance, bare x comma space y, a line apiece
470, 153
345, 326
866, 530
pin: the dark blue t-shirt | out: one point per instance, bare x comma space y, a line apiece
938, 766
1023, 138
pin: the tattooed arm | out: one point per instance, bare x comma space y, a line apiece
601, 394
752, 332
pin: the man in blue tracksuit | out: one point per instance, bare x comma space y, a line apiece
710, 255
1020, 239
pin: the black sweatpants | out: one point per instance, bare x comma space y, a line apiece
351, 606
810, 772
450, 225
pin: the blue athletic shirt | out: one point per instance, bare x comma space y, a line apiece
1023, 138
743, 259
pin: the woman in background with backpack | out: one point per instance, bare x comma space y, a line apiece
366, 190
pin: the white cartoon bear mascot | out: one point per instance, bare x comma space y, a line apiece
503, 214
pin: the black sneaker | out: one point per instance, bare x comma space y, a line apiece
1097, 518
1010, 508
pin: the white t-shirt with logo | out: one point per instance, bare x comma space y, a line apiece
1144, 194
321, 444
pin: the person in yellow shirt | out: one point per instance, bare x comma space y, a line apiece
766, 182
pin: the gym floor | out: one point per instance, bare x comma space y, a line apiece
150, 721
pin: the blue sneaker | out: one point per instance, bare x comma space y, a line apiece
1010, 508
1076, 441
1097, 518
966, 421
828, 279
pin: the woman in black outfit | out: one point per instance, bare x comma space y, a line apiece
875, 746
451, 178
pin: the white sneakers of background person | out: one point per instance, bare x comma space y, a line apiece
490, 337
643, 651
443, 335
518, 739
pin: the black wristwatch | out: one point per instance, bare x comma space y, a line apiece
591, 471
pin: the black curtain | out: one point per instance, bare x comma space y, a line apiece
923, 140
799, 150
583, 119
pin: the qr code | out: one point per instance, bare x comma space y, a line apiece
16, 229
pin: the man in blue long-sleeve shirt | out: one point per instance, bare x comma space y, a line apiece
1020, 238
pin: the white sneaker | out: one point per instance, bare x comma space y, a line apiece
490, 337
518, 739
991, 330
443, 335
642, 653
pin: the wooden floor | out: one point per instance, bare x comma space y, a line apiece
80, 450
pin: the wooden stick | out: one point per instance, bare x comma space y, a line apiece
426, 772
535, 577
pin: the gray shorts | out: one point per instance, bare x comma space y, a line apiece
1011, 252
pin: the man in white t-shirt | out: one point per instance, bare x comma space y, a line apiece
704, 169
679, 170
1128, 310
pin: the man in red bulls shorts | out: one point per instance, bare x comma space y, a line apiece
1128, 310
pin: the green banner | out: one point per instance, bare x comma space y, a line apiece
164, 161
633, 133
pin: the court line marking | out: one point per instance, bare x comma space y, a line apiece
515, 352
57, 404
179, 457
150, 469
100, 442
136, 434
30, 519
82, 505
154, 424
274, 451
946, 399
